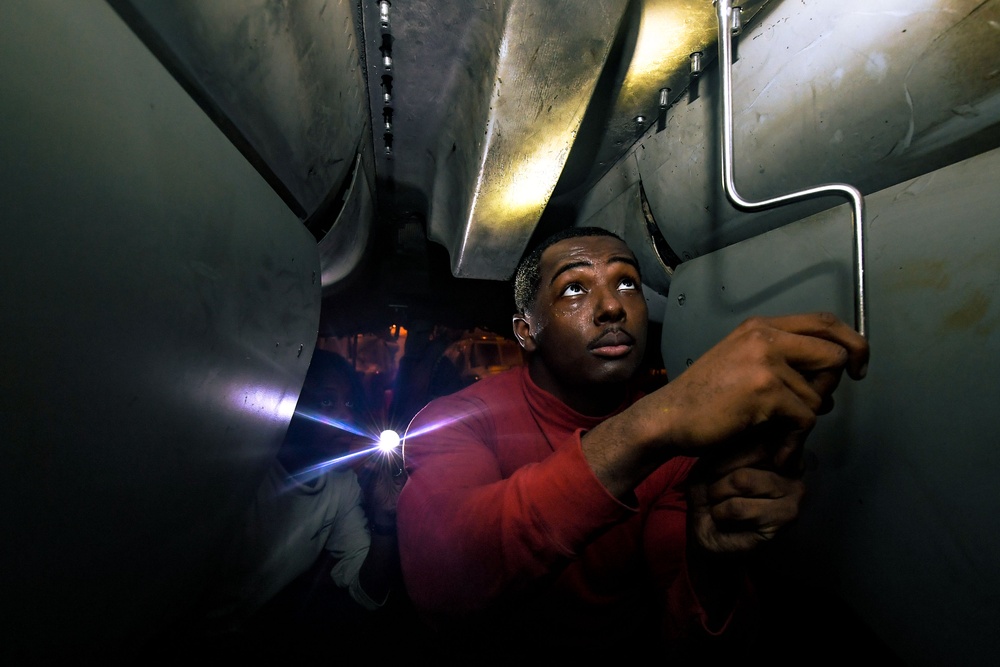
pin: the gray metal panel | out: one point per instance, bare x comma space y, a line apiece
902, 514
524, 135
444, 57
827, 92
288, 76
160, 305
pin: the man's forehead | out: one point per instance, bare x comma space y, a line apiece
584, 250
331, 384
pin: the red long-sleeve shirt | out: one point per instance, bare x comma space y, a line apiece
505, 532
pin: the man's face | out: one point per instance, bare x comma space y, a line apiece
588, 323
329, 400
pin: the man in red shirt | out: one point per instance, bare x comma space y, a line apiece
553, 509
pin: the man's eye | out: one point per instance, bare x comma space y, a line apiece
326, 403
628, 284
572, 289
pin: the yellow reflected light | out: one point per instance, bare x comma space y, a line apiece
668, 34
662, 38
530, 186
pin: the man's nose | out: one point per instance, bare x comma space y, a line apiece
609, 306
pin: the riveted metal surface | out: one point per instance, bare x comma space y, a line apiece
828, 92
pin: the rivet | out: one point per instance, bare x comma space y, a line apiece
696, 65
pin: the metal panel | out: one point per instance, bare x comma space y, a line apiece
665, 45
901, 517
827, 92
286, 78
491, 104
549, 59
160, 305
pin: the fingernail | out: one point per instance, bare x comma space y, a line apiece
863, 371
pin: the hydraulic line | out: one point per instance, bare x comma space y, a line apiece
725, 13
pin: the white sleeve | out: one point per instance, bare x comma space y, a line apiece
350, 540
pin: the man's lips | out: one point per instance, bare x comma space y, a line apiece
612, 343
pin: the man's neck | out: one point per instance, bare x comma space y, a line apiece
592, 400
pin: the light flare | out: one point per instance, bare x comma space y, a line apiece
388, 440
315, 470
385, 442
336, 423
429, 428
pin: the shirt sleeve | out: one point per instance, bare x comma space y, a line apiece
468, 536
349, 539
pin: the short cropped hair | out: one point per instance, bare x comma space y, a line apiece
528, 277
327, 364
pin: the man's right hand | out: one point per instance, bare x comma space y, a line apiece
778, 369
777, 373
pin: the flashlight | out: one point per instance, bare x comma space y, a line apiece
388, 440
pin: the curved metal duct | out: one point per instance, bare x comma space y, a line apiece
343, 246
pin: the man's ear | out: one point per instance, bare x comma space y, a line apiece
523, 333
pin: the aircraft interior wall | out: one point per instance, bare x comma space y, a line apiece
900, 515
900, 521
161, 305
163, 296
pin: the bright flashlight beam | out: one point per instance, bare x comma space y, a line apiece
336, 423
313, 471
430, 427
385, 444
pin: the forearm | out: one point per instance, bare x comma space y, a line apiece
767, 371
625, 449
